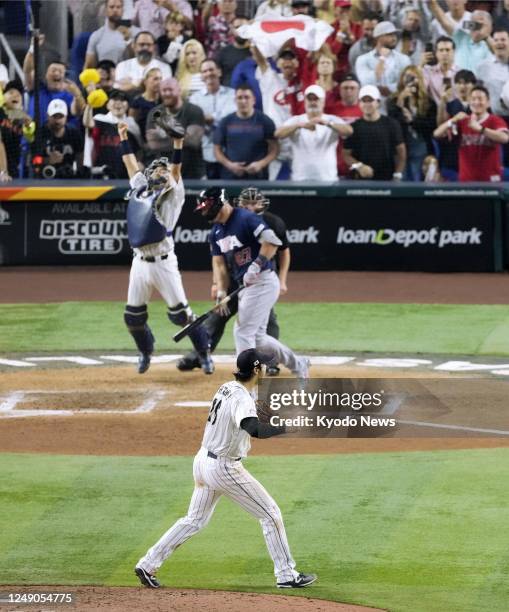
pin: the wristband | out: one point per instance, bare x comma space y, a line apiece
261, 260
356, 166
397, 175
125, 147
176, 156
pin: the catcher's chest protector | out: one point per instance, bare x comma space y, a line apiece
143, 224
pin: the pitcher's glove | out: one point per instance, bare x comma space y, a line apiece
263, 411
169, 124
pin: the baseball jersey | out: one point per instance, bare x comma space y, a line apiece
480, 159
168, 207
223, 435
238, 241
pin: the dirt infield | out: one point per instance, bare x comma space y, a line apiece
52, 284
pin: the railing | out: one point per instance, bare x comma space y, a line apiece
13, 67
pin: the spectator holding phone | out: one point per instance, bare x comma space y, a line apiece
471, 38
439, 68
416, 113
481, 136
457, 13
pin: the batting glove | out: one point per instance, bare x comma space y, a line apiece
252, 275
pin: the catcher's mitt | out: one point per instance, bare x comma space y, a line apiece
169, 124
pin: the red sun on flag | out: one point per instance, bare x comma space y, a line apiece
279, 26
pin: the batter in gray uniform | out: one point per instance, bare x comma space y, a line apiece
243, 243
218, 471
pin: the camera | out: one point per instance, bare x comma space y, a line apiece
473, 26
64, 171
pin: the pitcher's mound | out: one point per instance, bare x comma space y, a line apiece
122, 599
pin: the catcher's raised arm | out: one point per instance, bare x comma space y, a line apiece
175, 131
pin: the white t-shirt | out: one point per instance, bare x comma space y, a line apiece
135, 71
223, 435
168, 208
314, 151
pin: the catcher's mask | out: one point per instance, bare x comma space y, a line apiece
210, 201
251, 196
157, 182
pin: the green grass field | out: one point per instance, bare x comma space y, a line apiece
310, 327
409, 532
422, 531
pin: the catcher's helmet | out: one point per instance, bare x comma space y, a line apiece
156, 182
254, 197
210, 201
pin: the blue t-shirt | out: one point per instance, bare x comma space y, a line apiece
237, 241
244, 140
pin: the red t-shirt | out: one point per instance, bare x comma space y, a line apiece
480, 159
348, 114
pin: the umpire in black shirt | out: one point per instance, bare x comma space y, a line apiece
376, 150
252, 199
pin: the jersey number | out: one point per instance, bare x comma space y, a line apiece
216, 404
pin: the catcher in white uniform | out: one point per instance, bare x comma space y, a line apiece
155, 202
218, 470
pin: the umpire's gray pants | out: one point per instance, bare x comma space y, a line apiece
250, 329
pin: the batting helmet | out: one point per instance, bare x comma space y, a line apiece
251, 196
156, 182
210, 201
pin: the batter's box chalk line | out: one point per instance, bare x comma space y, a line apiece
9, 403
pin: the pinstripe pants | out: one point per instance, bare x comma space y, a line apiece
213, 478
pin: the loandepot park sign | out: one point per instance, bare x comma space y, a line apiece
408, 237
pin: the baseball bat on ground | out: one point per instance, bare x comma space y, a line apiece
194, 324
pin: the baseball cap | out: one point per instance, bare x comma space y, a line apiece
349, 77
383, 28
301, 2
316, 90
343, 3
370, 91
288, 53
117, 94
248, 360
57, 107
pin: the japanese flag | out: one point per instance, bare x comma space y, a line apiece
270, 35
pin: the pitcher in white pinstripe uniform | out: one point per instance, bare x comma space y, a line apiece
218, 470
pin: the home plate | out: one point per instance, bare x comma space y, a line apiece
192, 404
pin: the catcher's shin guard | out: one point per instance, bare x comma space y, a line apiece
135, 318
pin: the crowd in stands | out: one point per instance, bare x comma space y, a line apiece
400, 90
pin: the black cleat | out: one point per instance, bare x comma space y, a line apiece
206, 363
143, 363
146, 579
186, 364
302, 580
272, 371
